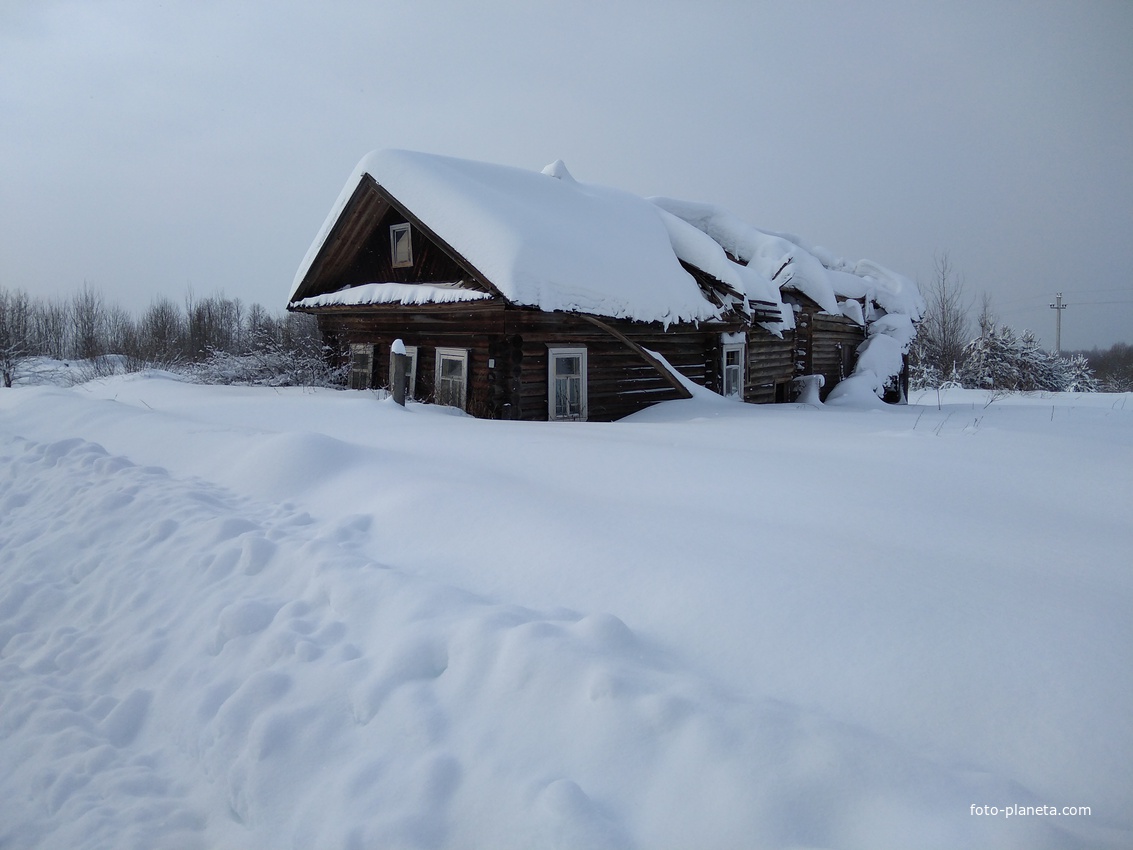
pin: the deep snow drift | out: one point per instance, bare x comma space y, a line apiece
260, 618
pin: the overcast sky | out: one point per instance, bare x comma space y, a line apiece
148, 147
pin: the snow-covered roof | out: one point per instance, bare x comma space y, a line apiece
790, 262
885, 302
546, 240
542, 239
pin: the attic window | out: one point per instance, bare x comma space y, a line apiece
401, 246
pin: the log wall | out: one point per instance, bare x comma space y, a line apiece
770, 366
508, 354
476, 327
834, 342
619, 380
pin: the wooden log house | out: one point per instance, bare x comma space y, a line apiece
525, 295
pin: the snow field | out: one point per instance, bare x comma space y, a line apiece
240, 624
241, 660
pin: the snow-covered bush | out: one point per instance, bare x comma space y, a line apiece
1078, 377
272, 366
990, 361
1111, 367
1000, 360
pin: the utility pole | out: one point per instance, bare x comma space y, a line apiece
1058, 307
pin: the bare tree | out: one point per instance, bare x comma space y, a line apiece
161, 334
120, 330
15, 333
214, 324
88, 323
214, 339
51, 328
987, 319
944, 330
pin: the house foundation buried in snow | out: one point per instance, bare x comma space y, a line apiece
529, 295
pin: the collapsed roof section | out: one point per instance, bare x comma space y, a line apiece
788, 262
886, 303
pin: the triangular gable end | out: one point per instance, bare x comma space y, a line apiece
358, 250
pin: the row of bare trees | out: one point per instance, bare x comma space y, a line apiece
194, 336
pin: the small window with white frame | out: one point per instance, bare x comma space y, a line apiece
411, 377
451, 377
733, 369
401, 245
566, 384
361, 366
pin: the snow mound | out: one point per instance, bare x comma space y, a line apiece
197, 653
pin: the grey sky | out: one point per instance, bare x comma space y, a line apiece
148, 147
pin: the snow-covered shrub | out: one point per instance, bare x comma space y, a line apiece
925, 371
293, 361
1000, 360
1112, 367
990, 361
1078, 377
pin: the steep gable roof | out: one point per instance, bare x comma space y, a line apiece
540, 239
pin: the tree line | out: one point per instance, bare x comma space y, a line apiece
214, 338
1112, 366
949, 351
222, 340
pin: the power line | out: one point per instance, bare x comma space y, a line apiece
1091, 291
1024, 308
1035, 300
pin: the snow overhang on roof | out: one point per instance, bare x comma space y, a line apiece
787, 261
393, 293
887, 303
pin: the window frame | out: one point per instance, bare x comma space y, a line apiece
725, 350
555, 353
394, 229
361, 351
460, 354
